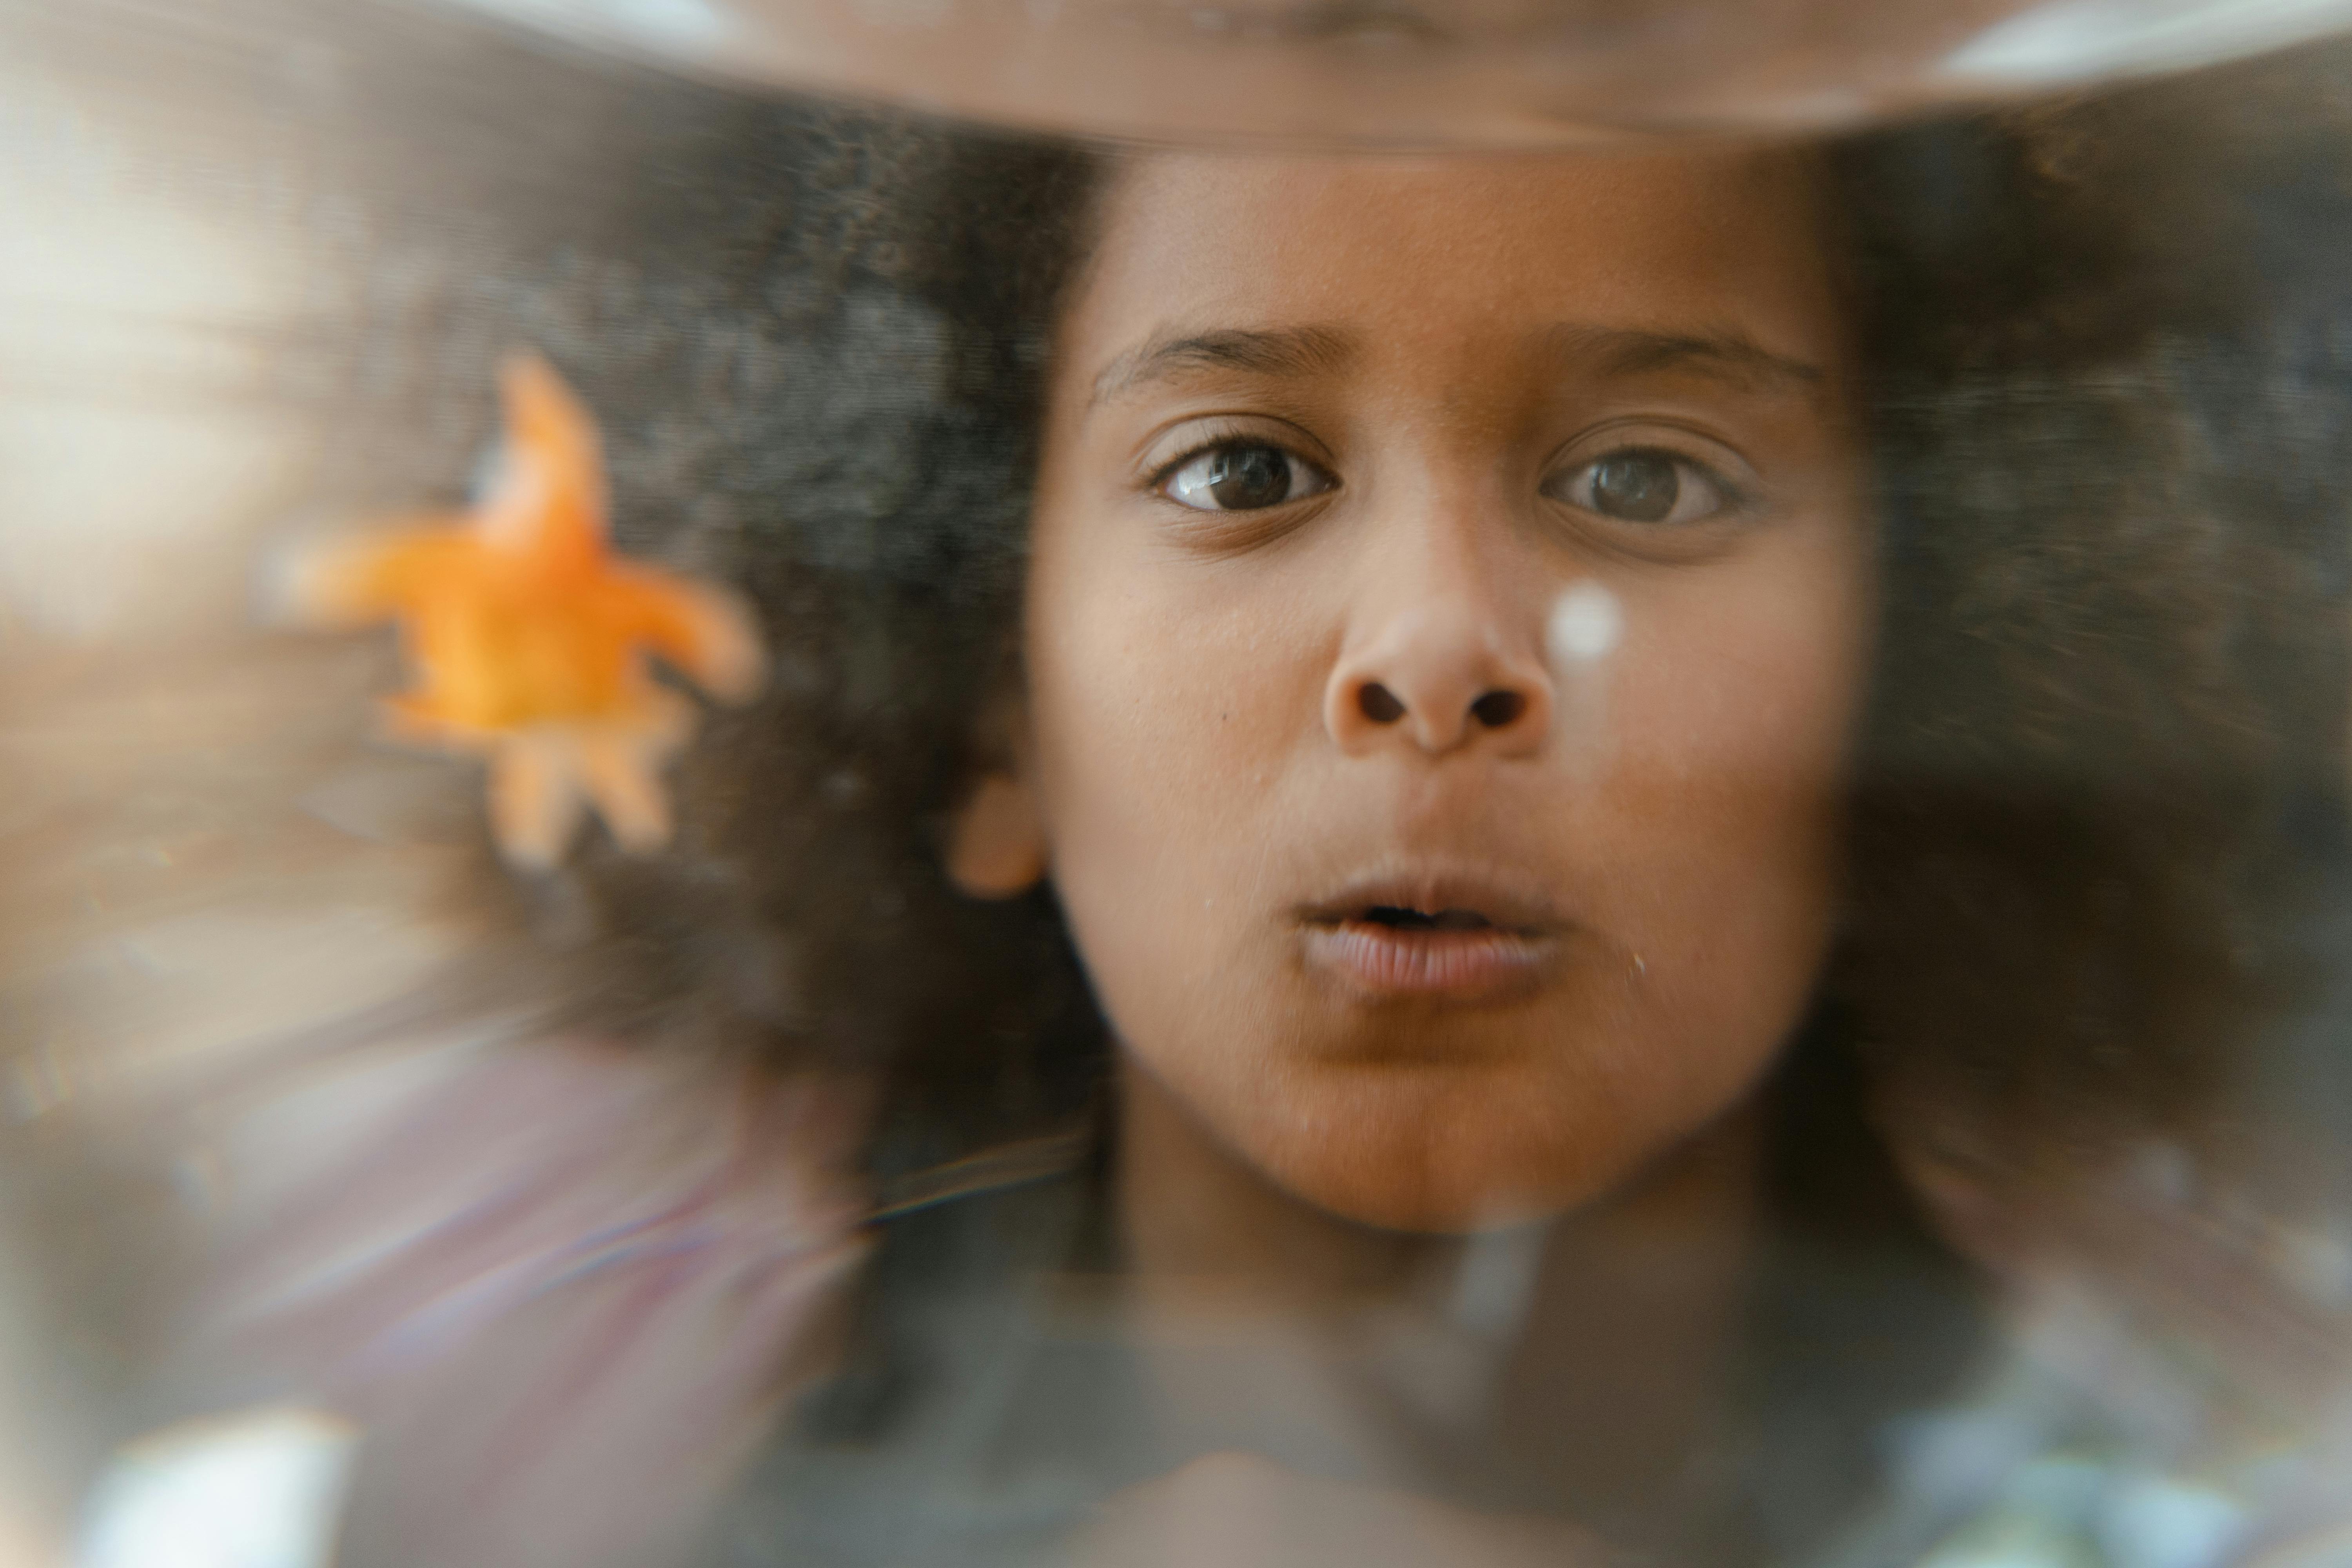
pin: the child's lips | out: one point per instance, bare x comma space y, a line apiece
1436, 934
1387, 961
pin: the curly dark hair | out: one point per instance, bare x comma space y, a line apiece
2100, 821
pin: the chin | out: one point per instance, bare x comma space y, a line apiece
1446, 1203
1449, 1170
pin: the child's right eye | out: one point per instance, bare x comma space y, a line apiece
1243, 476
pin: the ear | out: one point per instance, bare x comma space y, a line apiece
996, 846
996, 839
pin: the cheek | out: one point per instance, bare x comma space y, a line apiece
1731, 723
1737, 710
1164, 709
1162, 698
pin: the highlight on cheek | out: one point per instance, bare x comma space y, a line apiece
526, 635
1584, 626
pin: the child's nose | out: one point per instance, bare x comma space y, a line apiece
1439, 674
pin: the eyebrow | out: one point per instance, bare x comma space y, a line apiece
1725, 355
1280, 351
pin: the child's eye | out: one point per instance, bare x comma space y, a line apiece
1646, 485
1243, 476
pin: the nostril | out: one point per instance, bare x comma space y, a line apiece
1378, 703
1498, 709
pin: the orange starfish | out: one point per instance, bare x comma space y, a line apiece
526, 636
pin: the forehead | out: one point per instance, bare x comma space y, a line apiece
1402, 248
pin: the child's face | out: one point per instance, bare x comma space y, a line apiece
1447, 614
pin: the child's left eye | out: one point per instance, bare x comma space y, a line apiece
1243, 476
1648, 485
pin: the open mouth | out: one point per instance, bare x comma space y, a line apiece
1450, 939
1397, 917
